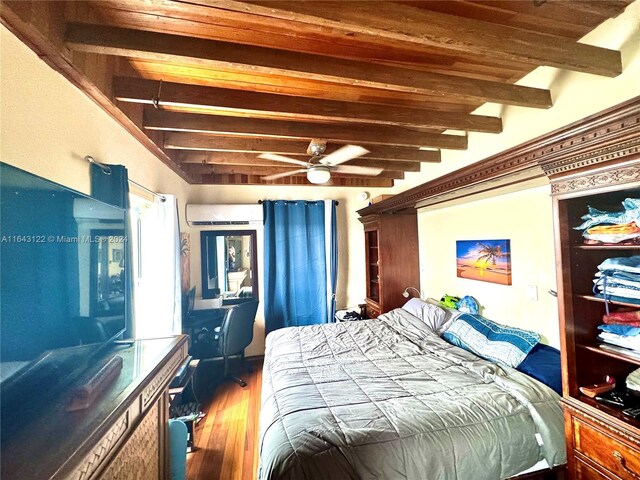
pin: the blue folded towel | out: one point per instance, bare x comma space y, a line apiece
622, 330
623, 264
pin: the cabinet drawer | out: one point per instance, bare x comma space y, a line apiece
587, 472
371, 311
603, 449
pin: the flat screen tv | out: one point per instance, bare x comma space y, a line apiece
62, 301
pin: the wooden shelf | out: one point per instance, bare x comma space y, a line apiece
593, 298
616, 355
609, 410
607, 247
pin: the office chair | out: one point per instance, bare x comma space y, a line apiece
229, 339
188, 303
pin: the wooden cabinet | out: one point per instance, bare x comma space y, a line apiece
391, 259
602, 442
122, 435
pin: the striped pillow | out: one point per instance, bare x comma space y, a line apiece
491, 341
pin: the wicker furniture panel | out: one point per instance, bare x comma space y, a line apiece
139, 458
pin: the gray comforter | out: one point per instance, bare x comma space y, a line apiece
389, 399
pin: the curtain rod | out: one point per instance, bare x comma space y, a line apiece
260, 202
107, 171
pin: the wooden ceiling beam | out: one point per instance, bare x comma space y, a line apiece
251, 159
239, 179
213, 143
407, 24
229, 102
264, 171
155, 119
164, 47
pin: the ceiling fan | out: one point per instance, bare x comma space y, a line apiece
320, 166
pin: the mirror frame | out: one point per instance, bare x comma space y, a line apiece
206, 235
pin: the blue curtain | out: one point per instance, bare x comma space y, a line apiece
295, 264
113, 188
333, 261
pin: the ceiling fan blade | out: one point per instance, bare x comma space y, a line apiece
344, 154
281, 175
352, 169
280, 158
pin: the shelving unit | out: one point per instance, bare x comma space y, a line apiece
391, 261
602, 442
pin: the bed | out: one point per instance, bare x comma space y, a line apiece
389, 399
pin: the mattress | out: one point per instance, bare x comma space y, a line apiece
389, 399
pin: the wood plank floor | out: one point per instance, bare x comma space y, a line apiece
227, 438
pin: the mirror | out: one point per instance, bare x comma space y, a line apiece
229, 267
107, 265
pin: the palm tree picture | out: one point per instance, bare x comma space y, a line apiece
484, 260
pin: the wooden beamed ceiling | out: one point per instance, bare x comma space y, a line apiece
264, 105
208, 85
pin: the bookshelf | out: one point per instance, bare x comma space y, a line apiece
602, 442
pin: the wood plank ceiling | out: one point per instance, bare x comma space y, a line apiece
208, 85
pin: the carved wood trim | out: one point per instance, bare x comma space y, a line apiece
613, 134
606, 425
616, 176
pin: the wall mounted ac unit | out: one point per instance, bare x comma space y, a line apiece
204, 215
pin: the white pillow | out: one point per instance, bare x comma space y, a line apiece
437, 318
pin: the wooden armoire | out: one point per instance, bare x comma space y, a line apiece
391, 259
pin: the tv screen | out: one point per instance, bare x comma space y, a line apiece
62, 274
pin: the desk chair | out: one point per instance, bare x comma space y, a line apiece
229, 339
188, 303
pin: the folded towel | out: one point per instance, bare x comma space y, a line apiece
594, 216
615, 298
626, 317
622, 330
623, 264
625, 292
632, 343
621, 278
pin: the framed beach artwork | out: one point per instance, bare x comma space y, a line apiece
484, 260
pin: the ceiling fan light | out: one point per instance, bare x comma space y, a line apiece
318, 175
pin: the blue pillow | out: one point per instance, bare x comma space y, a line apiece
490, 340
543, 364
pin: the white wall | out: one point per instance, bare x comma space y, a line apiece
525, 219
47, 126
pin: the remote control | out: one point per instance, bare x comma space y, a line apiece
632, 412
614, 398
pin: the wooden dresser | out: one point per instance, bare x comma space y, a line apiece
121, 436
602, 442
391, 256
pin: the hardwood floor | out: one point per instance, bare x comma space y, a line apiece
227, 438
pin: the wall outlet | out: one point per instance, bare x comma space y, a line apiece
532, 292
